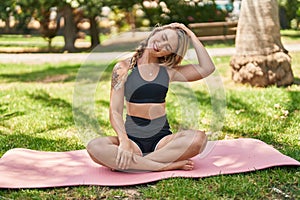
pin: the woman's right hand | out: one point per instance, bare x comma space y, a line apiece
125, 155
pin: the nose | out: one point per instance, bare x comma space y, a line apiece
162, 44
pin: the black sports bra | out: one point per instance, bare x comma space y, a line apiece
138, 90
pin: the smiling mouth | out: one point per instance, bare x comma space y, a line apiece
155, 47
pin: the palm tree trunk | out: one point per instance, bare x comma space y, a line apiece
260, 59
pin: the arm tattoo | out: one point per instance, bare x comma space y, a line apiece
116, 82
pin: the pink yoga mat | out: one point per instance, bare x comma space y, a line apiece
24, 168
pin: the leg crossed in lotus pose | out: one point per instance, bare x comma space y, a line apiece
172, 152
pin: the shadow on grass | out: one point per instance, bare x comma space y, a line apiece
10, 141
294, 105
65, 119
65, 108
6, 115
296, 81
61, 74
103, 103
83, 119
65, 73
254, 122
43, 97
267, 133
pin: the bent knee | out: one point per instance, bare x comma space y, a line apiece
95, 145
204, 142
96, 149
91, 145
200, 141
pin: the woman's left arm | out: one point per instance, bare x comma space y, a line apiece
193, 72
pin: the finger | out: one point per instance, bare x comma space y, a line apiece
121, 163
134, 158
126, 163
129, 160
118, 159
124, 160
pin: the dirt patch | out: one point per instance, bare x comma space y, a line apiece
55, 79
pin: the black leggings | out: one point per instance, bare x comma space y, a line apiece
147, 133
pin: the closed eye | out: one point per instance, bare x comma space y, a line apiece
169, 48
165, 38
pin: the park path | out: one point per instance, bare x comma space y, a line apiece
38, 58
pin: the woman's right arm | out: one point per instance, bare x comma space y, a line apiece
117, 100
125, 152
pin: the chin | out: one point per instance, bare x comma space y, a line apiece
155, 53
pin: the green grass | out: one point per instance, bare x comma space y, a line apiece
38, 44
290, 36
36, 113
26, 38
35, 43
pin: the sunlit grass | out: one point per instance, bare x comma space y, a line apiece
28, 42
36, 113
290, 36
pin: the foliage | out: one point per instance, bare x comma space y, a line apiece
6, 9
163, 12
183, 12
186, 13
292, 10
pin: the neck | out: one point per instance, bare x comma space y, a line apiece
147, 58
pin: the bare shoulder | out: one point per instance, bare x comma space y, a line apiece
171, 71
121, 67
119, 74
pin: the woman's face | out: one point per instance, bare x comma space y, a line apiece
163, 43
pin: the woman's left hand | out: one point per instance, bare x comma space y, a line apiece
183, 27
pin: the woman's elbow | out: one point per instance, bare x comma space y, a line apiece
209, 71
212, 69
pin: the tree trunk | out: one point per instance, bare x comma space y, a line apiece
94, 32
50, 45
70, 29
261, 59
131, 20
7, 25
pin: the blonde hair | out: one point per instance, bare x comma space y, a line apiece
171, 60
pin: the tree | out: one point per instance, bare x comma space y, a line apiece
291, 11
260, 58
92, 9
49, 27
163, 12
39, 9
6, 10
128, 8
70, 29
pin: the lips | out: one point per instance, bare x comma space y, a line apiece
155, 47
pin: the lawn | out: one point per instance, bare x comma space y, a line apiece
36, 113
35, 43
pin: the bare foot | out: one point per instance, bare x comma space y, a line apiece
183, 165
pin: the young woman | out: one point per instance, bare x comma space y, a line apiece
144, 141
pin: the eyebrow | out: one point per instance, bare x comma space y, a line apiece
166, 38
